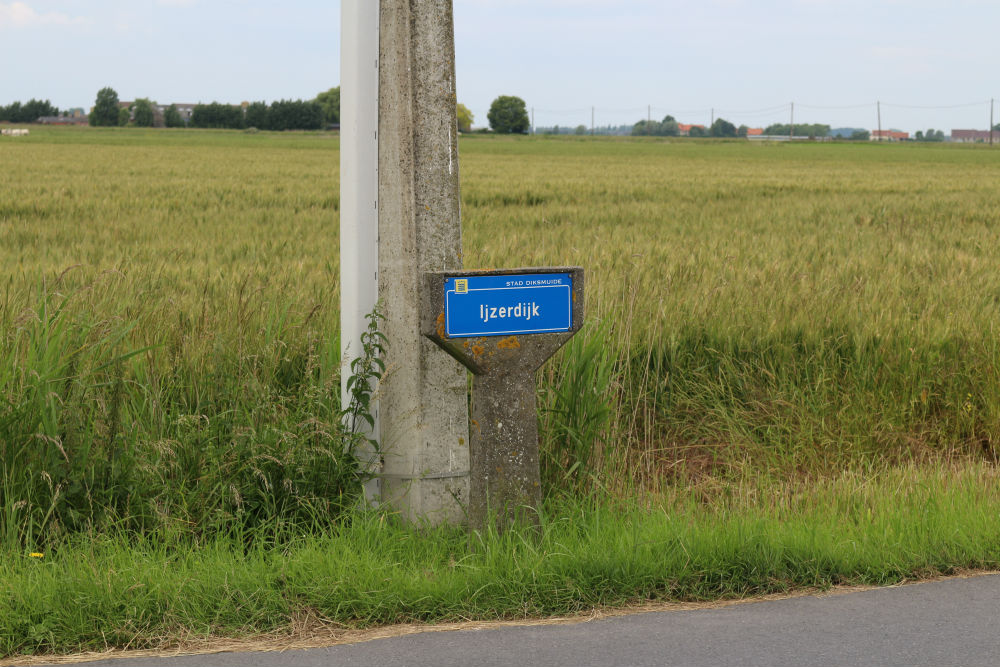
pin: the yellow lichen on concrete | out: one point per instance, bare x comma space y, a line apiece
509, 343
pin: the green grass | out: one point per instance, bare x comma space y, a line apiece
791, 355
749, 539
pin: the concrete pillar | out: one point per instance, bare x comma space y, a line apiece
423, 399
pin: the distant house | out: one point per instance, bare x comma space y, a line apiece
159, 111
183, 108
685, 130
889, 135
755, 132
972, 136
63, 120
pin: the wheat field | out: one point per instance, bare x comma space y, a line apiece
170, 309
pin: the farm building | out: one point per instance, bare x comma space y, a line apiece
971, 136
889, 135
685, 130
63, 120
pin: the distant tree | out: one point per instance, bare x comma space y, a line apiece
860, 135
11, 112
256, 115
329, 102
124, 116
580, 129
651, 128
933, 135
919, 136
817, 130
722, 128
669, 127
217, 115
742, 131
294, 115
172, 117
645, 128
142, 112
465, 118
697, 131
508, 115
105, 112
798, 130
29, 112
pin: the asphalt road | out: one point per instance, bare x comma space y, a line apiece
939, 624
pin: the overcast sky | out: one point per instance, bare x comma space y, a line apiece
747, 59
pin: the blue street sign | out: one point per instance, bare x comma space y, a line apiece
505, 305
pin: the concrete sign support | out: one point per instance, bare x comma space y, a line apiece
423, 399
503, 325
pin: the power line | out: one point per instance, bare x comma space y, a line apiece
779, 107
637, 110
867, 105
692, 112
951, 106
563, 111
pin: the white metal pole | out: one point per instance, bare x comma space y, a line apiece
359, 46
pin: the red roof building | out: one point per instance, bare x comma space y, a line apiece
685, 130
889, 135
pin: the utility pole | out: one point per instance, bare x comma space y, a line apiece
791, 124
532, 120
649, 115
591, 121
359, 275
991, 121
878, 110
712, 122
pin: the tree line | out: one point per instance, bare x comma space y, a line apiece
508, 114
669, 127
279, 115
930, 135
29, 112
813, 131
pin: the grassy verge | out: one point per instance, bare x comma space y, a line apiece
708, 541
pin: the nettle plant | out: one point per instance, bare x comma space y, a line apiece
366, 371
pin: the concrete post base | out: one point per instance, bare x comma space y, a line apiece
504, 449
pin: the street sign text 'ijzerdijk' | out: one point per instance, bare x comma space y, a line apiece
502, 325
505, 305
